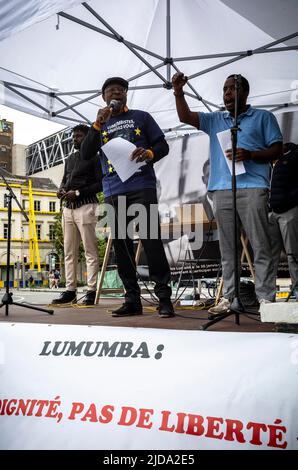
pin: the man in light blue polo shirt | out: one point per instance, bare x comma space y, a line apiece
259, 142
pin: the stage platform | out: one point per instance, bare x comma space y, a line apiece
97, 382
100, 315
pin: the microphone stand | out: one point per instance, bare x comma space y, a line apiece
236, 305
7, 298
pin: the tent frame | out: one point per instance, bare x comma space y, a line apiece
171, 63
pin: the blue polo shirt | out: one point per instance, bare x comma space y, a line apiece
259, 130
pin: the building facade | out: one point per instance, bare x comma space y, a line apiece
46, 206
6, 143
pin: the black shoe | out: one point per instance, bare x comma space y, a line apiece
128, 309
89, 298
66, 297
166, 309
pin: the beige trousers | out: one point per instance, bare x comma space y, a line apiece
79, 224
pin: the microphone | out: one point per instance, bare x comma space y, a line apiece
115, 105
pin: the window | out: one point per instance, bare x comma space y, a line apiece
25, 203
36, 206
5, 200
51, 232
52, 206
5, 231
38, 231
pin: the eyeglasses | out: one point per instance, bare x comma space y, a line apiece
110, 89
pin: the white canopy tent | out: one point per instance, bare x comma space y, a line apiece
56, 55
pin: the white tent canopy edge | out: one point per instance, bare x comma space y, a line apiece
50, 80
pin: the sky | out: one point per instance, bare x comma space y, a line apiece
28, 128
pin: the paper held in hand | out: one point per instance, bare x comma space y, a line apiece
119, 151
224, 139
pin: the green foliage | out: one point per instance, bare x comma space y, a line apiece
101, 198
59, 240
102, 242
58, 236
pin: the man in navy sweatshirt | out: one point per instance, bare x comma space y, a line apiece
139, 128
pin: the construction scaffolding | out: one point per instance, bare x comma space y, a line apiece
49, 152
34, 256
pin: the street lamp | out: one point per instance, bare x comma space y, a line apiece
22, 258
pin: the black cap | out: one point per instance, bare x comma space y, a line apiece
117, 80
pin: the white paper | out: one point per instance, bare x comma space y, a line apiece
119, 151
224, 138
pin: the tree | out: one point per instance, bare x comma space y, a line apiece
102, 242
58, 238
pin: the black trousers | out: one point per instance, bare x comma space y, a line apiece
140, 207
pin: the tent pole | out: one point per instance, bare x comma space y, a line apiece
168, 39
259, 50
26, 97
84, 92
66, 118
117, 36
23, 87
229, 54
78, 103
114, 35
71, 106
199, 97
106, 33
278, 41
218, 66
74, 110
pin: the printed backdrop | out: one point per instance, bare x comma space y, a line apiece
80, 387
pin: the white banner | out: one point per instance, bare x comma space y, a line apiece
82, 387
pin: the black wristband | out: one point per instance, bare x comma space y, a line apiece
179, 94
